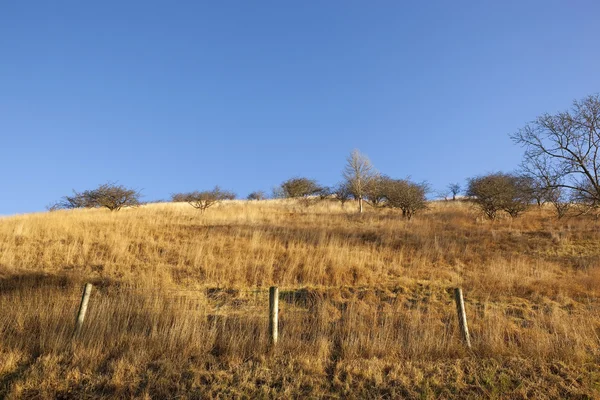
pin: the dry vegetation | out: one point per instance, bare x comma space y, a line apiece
179, 307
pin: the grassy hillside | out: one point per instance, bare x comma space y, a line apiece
179, 306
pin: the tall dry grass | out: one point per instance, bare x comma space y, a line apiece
179, 306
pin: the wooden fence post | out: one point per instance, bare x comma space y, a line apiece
462, 316
273, 314
85, 298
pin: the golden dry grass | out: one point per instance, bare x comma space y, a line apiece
179, 306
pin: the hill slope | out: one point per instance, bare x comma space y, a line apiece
179, 306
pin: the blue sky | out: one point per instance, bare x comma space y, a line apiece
179, 96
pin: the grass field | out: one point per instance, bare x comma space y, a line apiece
179, 307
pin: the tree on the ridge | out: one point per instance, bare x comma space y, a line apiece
358, 174
563, 151
203, 200
108, 195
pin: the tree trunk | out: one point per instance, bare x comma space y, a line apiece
360, 205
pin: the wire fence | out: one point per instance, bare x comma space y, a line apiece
261, 303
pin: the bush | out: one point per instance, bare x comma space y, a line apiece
205, 199
500, 192
408, 196
375, 190
299, 187
342, 193
109, 195
258, 195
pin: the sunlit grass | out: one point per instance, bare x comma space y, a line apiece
179, 306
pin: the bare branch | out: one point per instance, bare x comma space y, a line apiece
562, 151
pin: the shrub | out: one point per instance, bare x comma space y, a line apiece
500, 192
108, 195
342, 192
408, 196
299, 187
205, 199
258, 195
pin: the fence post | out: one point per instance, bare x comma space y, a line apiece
462, 316
273, 314
85, 298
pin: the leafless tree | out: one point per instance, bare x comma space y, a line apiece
325, 193
205, 199
375, 190
561, 151
299, 187
179, 197
342, 193
537, 189
258, 195
114, 197
408, 196
454, 189
560, 202
358, 174
277, 192
519, 195
108, 195
500, 192
76, 200
442, 194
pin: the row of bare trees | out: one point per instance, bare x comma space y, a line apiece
560, 167
362, 183
114, 197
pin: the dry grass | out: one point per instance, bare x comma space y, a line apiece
179, 307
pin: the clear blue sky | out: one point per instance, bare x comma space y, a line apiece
178, 96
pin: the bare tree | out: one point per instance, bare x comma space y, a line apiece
408, 196
559, 200
454, 189
442, 194
561, 151
114, 197
537, 189
277, 192
358, 173
108, 195
325, 192
76, 200
258, 195
179, 197
375, 190
500, 192
342, 193
519, 195
299, 187
205, 199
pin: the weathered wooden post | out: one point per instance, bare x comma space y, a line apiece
85, 298
273, 314
462, 316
